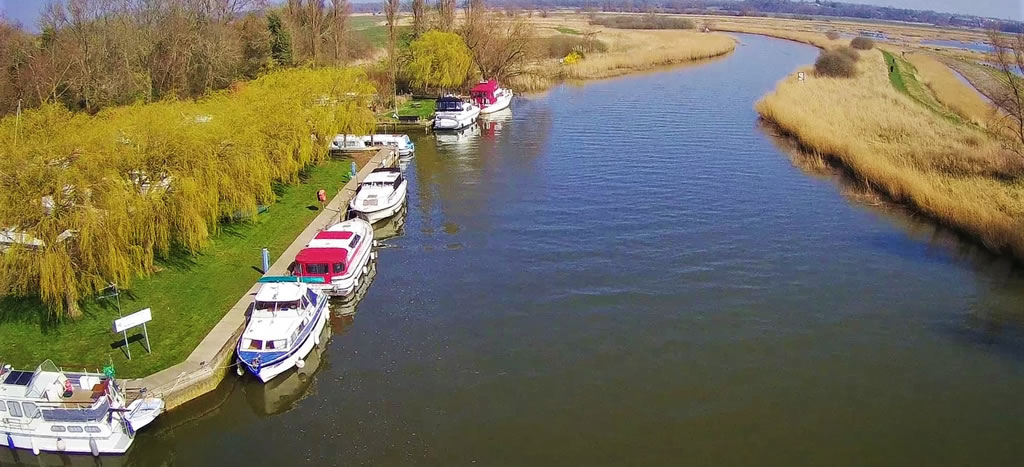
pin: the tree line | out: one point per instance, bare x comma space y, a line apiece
92, 54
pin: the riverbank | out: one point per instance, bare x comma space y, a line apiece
952, 172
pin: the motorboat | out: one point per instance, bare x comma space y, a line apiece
336, 260
354, 143
50, 410
490, 97
452, 113
285, 324
380, 195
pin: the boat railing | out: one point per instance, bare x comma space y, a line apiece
302, 279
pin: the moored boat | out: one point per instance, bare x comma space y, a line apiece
490, 97
285, 324
336, 259
353, 143
71, 413
380, 195
453, 113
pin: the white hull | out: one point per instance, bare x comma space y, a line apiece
502, 103
115, 443
455, 122
267, 373
384, 212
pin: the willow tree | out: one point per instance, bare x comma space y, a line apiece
88, 201
439, 61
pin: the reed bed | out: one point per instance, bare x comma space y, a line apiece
643, 50
954, 173
950, 91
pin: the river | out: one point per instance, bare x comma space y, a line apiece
633, 272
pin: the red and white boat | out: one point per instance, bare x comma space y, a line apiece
490, 97
337, 258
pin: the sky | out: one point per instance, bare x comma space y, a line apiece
27, 11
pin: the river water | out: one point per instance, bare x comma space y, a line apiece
633, 272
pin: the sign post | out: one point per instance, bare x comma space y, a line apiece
139, 318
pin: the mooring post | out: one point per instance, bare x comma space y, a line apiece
266, 260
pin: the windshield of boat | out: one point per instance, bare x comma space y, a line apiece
273, 306
449, 106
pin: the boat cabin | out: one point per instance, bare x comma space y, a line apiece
449, 104
327, 255
54, 396
276, 304
389, 178
485, 93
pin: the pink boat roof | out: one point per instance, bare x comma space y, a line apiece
486, 86
333, 235
321, 255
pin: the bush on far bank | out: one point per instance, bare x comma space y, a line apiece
833, 35
562, 45
835, 64
862, 43
848, 52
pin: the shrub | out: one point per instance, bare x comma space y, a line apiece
832, 35
561, 45
835, 64
848, 52
862, 43
643, 22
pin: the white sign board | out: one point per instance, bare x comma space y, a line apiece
135, 319
801, 76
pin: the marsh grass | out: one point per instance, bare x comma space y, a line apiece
956, 174
651, 49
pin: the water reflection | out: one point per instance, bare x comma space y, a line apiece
284, 392
391, 227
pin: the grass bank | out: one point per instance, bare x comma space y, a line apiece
188, 296
644, 50
954, 173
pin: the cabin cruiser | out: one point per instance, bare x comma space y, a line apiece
380, 195
490, 97
336, 259
346, 143
285, 323
452, 113
72, 413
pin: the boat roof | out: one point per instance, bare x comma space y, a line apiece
280, 292
490, 85
335, 254
382, 176
449, 99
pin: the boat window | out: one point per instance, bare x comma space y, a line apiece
252, 344
317, 268
92, 429
3, 406
58, 429
354, 242
279, 344
31, 410
398, 182
339, 268
15, 408
74, 429
311, 296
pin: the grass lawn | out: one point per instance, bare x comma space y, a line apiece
188, 297
378, 35
422, 108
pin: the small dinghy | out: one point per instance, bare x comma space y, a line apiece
286, 321
490, 97
337, 258
380, 195
452, 113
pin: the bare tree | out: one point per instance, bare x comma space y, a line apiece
419, 19
391, 13
446, 15
339, 16
1008, 54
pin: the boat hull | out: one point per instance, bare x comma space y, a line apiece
455, 122
116, 442
268, 372
501, 104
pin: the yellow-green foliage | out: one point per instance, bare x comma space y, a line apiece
102, 195
439, 60
573, 58
953, 172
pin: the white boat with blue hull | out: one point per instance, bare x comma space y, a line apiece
49, 410
285, 324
